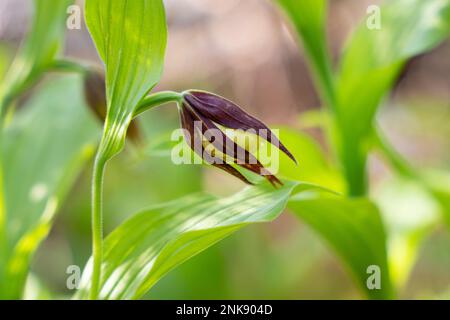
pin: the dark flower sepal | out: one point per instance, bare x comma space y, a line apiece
202, 112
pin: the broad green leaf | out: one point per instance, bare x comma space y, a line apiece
130, 37
44, 149
372, 61
354, 229
309, 20
38, 50
151, 243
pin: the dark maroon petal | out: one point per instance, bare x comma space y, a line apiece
228, 114
187, 122
241, 156
193, 136
188, 119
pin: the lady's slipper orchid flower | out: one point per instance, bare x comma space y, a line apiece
201, 115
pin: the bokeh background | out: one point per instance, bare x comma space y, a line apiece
244, 50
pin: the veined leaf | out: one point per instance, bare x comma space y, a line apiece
44, 149
38, 50
370, 64
150, 244
130, 37
354, 229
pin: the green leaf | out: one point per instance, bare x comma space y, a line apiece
151, 243
44, 149
130, 37
313, 166
354, 229
309, 20
38, 50
372, 61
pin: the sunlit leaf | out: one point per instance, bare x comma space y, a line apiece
44, 149
354, 229
130, 37
38, 50
147, 246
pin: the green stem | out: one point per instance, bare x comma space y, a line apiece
3, 231
110, 145
70, 66
354, 162
97, 224
157, 99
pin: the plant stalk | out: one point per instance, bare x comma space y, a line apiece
110, 145
105, 151
70, 66
157, 99
97, 224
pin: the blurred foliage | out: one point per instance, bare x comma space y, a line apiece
45, 147
371, 63
38, 51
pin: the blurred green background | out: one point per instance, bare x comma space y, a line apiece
243, 49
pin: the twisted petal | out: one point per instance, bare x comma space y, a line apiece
187, 122
239, 155
228, 114
249, 162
